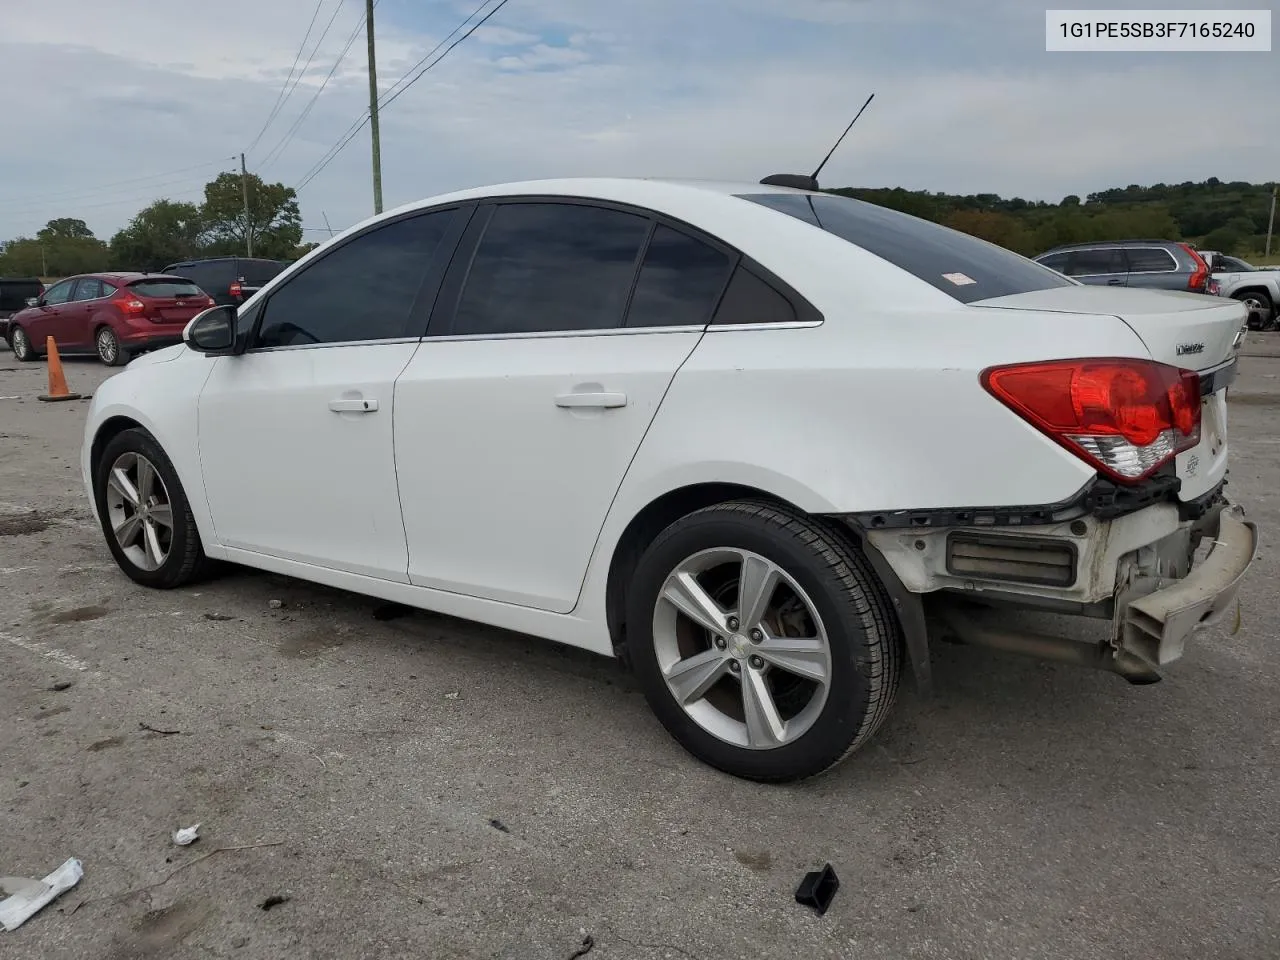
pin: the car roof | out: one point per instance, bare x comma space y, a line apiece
1111, 243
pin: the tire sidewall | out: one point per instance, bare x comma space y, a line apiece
141, 442
16, 336
848, 696
114, 361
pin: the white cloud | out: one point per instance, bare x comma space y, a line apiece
967, 101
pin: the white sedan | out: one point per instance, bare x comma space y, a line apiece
763, 443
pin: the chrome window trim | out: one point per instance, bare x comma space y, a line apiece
783, 325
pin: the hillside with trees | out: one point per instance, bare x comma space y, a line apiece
1229, 217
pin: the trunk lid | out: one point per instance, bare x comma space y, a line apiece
170, 300
1188, 330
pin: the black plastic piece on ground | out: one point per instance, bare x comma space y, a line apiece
818, 889
390, 611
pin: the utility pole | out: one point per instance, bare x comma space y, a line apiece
248, 223
1271, 224
373, 110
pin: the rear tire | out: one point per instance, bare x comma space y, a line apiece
159, 545
109, 350
779, 695
20, 343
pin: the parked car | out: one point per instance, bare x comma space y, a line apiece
1159, 264
764, 444
14, 294
114, 315
229, 280
1257, 287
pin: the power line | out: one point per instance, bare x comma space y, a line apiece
65, 196
288, 137
333, 152
280, 97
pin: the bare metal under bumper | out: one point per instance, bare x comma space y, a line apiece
1155, 627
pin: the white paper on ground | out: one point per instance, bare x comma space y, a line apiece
187, 835
35, 895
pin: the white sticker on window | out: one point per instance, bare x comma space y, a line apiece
959, 279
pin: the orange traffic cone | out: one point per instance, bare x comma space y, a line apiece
57, 381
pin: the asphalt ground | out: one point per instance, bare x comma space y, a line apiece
424, 787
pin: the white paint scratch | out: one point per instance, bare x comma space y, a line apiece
49, 653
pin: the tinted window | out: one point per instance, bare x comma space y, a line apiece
1150, 260
88, 288
1055, 261
959, 265
363, 290
1096, 262
256, 273
1232, 265
14, 294
212, 276
59, 292
551, 266
680, 281
750, 300
166, 288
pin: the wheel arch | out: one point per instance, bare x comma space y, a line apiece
1244, 291
665, 509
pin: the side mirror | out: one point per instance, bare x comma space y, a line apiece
33, 301
212, 331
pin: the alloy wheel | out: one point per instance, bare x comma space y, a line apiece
742, 648
108, 346
21, 346
140, 511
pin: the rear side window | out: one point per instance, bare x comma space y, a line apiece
543, 267
750, 300
363, 290
959, 265
170, 287
680, 281
1055, 261
257, 273
1150, 260
1101, 261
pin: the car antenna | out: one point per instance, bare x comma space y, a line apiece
801, 182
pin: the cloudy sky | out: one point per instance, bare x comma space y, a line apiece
113, 103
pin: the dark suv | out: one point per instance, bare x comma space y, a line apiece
1161, 264
14, 294
229, 280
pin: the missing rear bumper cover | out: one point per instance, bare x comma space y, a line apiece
1013, 559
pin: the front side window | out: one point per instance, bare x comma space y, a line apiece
956, 263
543, 267
680, 281
59, 292
363, 290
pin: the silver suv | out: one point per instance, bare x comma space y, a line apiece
1161, 264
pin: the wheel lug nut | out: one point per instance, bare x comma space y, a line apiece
733, 623
735, 667
720, 643
757, 663
757, 635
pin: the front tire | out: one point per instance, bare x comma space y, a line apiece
20, 343
109, 350
762, 640
145, 515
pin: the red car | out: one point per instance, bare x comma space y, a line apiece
114, 315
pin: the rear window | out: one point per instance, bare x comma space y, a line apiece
257, 273
959, 265
171, 287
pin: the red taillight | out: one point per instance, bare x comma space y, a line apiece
1200, 277
131, 305
236, 289
1126, 418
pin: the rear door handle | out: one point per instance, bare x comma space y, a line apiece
1115, 282
598, 399
358, 405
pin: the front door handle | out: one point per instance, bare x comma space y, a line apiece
357, 405
1115, 282
597, 399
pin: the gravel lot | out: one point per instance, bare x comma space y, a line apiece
422, 787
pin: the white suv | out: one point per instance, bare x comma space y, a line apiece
765, 444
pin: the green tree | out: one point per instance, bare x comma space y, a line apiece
160, 234
69, 246
21, 258
274, 222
